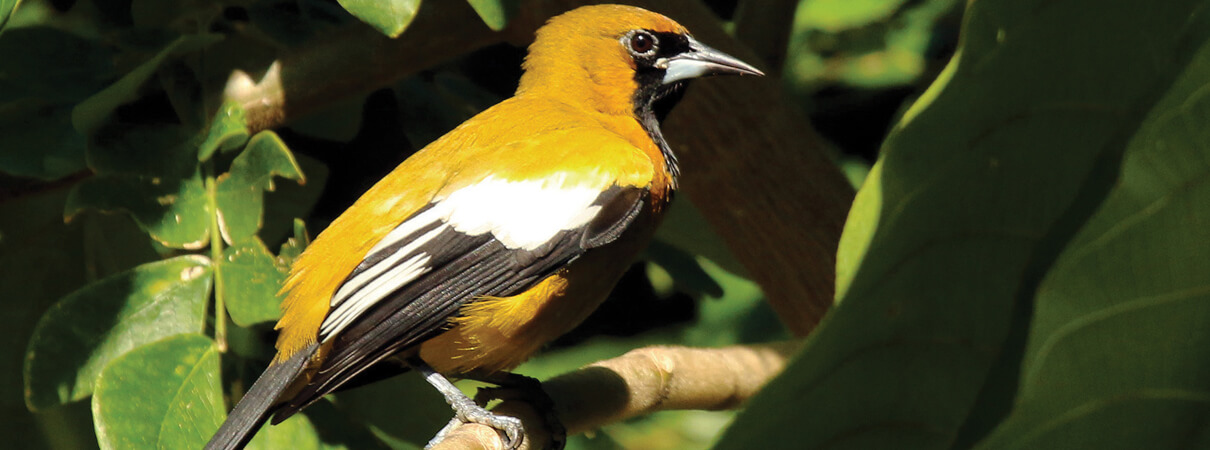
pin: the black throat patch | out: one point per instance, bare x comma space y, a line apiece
653, 99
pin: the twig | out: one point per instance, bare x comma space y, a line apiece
640, 382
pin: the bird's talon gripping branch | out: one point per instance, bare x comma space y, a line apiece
467, 410
498, 237
514, 386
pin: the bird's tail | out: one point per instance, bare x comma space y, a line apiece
256, 406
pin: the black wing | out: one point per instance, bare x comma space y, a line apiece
458, 267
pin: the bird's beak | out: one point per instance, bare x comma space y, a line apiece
701, 60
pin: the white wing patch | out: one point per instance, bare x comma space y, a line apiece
522, 215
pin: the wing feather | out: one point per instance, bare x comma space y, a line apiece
389, 303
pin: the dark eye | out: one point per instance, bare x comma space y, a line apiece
642, 42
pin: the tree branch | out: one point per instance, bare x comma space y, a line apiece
640, 382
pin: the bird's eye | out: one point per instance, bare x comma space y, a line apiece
642, 42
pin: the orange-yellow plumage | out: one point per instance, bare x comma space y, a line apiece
577, 127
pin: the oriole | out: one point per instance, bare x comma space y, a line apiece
499, 236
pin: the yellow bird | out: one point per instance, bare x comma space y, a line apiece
498, 237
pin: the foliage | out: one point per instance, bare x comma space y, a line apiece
1024, 265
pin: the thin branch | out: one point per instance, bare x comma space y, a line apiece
640, 382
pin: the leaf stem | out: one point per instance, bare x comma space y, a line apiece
216, 255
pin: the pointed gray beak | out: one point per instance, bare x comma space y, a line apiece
701, 60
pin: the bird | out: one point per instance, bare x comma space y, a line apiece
497, 237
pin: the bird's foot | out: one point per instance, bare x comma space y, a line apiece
510, 428
529, 390
467, 410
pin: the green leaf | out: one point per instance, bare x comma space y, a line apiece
495, 13
228, 131
390, 17
41, 260
90, 327
295, 245
92, 112
296, 433
241, 191
249, 280
165, 394
966, 210
6, 10
176, 215
320, 427
1116, 354
293, 200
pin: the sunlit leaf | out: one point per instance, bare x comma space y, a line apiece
6, 10
250, 280
390, 17
495, 13
295, 245
228, 131
86, 330
176, 215
165, 394
241, 191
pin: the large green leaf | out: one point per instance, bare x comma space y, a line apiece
41, 260
1117, 352
6, 10
495, 13
250, 278
228, 131
163, 395
390, 17
980, 186
240, 193
89, 328
175, 214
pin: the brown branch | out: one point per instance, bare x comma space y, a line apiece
762, 178
753, 165
355, 60
640, 382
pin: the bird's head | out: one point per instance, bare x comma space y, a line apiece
618, 59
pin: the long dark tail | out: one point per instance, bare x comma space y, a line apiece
256, 406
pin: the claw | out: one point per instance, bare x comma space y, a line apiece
467, 411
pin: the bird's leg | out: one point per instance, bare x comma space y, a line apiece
466, 410
527, 389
